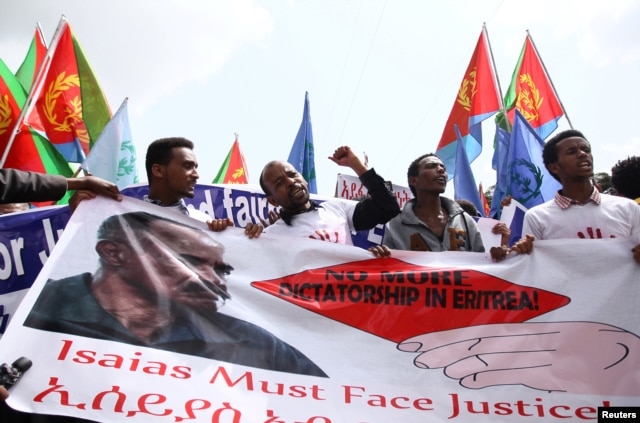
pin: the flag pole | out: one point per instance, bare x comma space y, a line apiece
497, 80
77, 172
535, 49
39, 28
35, 89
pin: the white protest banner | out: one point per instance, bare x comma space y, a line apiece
317, 332
26, 238
351, 187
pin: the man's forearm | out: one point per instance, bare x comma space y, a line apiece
381, 205
18, 186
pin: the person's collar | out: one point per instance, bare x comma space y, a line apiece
180, 205
566, 202
287, 216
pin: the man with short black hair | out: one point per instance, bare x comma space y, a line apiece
429, 221
625, 178
579, 210
332, 220
172, 174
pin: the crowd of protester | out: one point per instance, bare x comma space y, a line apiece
429, 222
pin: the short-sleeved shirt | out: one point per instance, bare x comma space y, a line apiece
613, 217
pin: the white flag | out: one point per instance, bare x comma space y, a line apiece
113, 156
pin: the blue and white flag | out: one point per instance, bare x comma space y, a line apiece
113, 156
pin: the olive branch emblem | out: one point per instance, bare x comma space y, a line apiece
73, 108
5, 114
529, 101
467, 90
308, 165
238, 173
127, 163
526, 188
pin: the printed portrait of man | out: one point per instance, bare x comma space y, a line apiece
161, 284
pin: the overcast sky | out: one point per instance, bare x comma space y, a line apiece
382, 75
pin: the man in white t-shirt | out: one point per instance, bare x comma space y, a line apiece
332, 220
579, 210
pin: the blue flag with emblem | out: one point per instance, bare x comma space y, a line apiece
528, 180
113, 156
301, 155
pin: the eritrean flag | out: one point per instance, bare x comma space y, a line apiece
70, 108
234, 169
28, 150
28, 70
477, 99
531, 92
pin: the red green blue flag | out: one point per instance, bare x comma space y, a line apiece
28, 70
70, 108
21, 147
477, 99
532, 94
234, 169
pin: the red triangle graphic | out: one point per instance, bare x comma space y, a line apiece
397, 300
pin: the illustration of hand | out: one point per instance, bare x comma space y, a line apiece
574, 357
